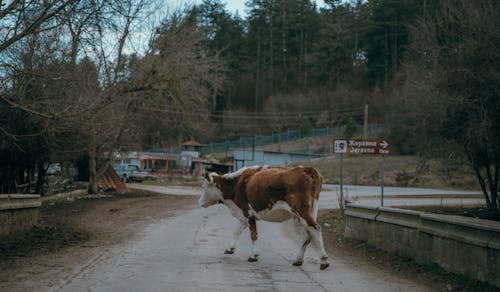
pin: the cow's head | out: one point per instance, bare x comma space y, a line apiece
211, 191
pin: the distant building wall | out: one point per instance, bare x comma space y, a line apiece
247, 157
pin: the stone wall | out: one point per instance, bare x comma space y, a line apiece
466, 246
18, 212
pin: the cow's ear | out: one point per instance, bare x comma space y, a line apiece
213, 177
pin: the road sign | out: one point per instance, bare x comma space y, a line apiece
362, 146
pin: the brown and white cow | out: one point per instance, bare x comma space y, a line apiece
271, 194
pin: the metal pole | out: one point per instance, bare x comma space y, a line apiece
382, 182
341, 180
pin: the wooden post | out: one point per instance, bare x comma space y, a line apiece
365, 123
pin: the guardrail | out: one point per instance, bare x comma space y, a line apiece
462, 245
18, 212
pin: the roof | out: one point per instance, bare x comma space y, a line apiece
191, 143
157, 156
218, 163
110, 180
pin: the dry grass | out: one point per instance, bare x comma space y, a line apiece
398, 171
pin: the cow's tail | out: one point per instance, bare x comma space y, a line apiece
317, 181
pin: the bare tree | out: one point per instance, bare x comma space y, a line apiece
22, 18
84, 96
179, 76
454, 77
58, 89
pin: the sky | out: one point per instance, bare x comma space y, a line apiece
239, 5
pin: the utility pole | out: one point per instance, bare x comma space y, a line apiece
365, 124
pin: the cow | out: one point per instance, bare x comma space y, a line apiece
273, 194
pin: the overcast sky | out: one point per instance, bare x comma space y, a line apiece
239, 5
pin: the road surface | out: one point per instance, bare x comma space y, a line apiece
185, 253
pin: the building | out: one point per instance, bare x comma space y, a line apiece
188, 162
249, 157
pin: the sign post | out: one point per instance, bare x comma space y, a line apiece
382, 182
363, 146
341, 148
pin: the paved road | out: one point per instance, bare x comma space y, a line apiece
185, 253
397, 196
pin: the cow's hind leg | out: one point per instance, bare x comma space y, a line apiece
314, 229
300, 257
236, 235
253, 234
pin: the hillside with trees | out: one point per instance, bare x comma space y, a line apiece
80, 79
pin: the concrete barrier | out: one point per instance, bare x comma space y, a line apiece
18, 212
463, 245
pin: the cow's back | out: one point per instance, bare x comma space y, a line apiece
297, 186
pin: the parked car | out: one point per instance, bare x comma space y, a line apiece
54, 169
131, 173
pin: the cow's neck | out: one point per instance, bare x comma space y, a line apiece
228, 196
227, 188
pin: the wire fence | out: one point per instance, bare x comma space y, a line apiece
374, 130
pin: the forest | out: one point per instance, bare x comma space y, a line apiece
80, 79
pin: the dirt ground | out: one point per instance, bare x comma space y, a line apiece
74, 233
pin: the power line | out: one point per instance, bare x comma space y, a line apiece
261, 116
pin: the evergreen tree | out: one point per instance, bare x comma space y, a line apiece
386, 36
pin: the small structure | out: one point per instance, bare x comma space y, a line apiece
188, 162
110, 181
127, 157
191, 148
160, 164
190, 158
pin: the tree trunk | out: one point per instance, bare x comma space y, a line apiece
284, 51
496, 198
257, 73
40, 180
386, 62
92, 187
271, 61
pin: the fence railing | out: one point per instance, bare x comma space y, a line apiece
284, 137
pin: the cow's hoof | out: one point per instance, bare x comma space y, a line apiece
324, 266
298, 263
252, 258
229, 251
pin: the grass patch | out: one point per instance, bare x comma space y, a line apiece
44, 236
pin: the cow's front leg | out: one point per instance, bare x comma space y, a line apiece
253, 234
239, 227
